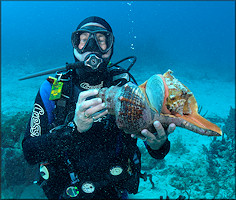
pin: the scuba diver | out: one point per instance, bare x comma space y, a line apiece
81, 152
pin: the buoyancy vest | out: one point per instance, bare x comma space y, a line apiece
123, 153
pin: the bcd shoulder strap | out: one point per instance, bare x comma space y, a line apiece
65, 105
63, 94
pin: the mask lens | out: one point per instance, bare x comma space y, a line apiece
104, 40
80, 39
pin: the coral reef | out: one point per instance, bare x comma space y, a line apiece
13, 129
229, 127
148, 162
15, 170
205, 173
178, 146
209, 174
221, 157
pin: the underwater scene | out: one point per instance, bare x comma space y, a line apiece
194, 40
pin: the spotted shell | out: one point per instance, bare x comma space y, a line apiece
130, 107
162, 98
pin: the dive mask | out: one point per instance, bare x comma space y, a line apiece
92, 38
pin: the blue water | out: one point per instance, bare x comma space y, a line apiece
196, 39
184, 35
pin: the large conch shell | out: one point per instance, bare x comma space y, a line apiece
161, 98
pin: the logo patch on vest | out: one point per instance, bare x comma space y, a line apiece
35, 128
87, 86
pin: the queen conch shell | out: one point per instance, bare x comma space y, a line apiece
162, 98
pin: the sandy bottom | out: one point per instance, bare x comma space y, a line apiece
214, 96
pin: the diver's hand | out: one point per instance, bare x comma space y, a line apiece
85, 112
156, 140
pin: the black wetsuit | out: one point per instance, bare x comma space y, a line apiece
92, 154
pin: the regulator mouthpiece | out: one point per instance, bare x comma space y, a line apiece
93, 61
